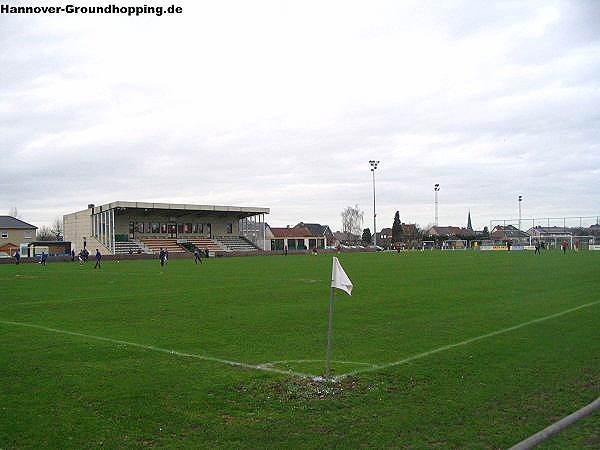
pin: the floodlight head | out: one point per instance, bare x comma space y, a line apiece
520, 197
436, 187
373, 164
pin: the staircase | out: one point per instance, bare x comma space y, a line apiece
124, 247
236, 243
168, 244
204, 243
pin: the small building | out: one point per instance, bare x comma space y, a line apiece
346, 238
296, 238
446, 232
319, 230
384, 238
13, 233
539, 232
504, 233
51, 248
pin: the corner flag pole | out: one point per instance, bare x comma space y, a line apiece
329, 334
339, 280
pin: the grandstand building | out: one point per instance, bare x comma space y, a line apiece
138, 227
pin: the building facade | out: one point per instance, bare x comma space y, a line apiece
130, 224
14, 233
294, 239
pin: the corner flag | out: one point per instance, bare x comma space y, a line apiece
339, 279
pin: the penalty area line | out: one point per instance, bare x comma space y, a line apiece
160, 349
461, 343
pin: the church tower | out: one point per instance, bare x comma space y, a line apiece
469, 226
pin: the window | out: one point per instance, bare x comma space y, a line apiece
28, 235
195, 228
163, 228
180, 228
140, 227
4, 234
155, 228
187, 228
131, 227
229, 227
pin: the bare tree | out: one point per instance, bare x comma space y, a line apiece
14, 212
352, 220
57, 229
45, 233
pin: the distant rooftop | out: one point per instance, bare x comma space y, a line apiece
14, 223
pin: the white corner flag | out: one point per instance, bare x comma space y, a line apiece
339, 279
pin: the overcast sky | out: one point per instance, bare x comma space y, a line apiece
282, 104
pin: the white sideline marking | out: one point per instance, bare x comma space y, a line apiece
274, 363
162, 350
465, 342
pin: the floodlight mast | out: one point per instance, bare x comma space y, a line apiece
436, 188
520, 200
374, 164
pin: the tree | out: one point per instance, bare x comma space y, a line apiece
14, 212
57, 229
366, 237
352, 220
397, 228
44, 233
486, 232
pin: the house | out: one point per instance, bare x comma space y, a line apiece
346, 238
296, 238
539, 231
13, 233
508, 233
384, 238
438, 231
319, 230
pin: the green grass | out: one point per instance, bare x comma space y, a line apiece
61, 390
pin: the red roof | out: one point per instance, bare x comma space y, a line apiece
299, 232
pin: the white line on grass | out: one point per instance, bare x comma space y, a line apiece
465, 342
159, 349
287, 361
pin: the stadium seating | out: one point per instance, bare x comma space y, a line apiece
206, 243
236, 243
169, 244
124, 247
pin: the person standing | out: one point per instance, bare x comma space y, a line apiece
161, 256
98, 259
166, 256
537, 248
72, 255
44, 258
197, 258
565, 244
285, 250
17, 257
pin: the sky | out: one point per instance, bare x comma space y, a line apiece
282, 104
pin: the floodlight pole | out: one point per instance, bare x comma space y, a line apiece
520, 200
329, 335
436, 188
373, 167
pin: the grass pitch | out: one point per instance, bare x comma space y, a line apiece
94, 388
